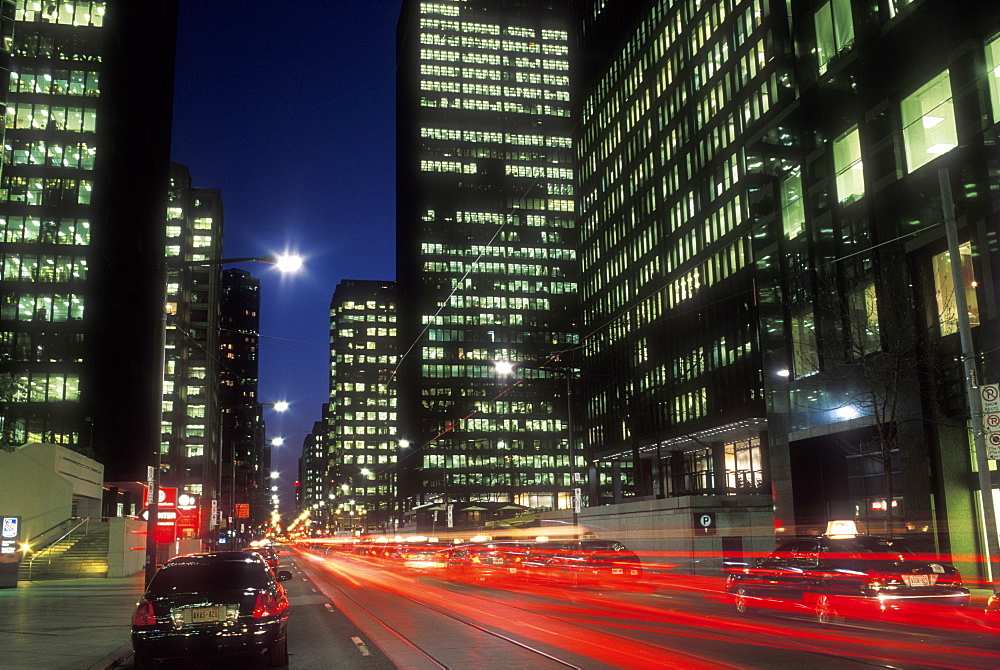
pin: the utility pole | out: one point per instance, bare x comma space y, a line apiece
971, 376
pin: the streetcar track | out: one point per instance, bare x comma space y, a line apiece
448, 615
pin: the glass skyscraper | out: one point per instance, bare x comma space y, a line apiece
81, 225
485, 250
676, 404
358, 472
190, 426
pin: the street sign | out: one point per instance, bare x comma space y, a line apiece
990, 395
991, 422
993, 446
162, 515
704, 523
166, 496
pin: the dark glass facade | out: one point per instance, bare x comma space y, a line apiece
673, 93
486, 251
866, 396
81, 226
245, 476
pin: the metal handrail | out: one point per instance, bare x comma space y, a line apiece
31, 561
31, 540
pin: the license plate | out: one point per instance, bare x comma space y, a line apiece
206, 614
917, 580
617, 571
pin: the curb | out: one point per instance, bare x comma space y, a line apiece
113, 659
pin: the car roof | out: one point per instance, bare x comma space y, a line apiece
212, 556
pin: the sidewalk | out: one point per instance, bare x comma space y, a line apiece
67, 624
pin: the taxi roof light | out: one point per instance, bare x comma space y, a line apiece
840, 529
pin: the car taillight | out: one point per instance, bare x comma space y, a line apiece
268, 605
143, 615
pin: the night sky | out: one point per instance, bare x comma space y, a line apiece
288, 108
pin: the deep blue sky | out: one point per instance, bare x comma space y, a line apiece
288, 108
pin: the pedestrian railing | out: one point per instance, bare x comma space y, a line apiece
47, 553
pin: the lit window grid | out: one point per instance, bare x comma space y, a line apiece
610, 261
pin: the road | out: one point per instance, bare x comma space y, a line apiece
349, 612
443, 623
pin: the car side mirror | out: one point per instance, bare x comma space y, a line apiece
284, 576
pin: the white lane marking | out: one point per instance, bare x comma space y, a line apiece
328, 606
361, 646
315, 591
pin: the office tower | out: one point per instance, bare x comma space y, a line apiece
189, 452
672, 93
245, 488
869, 415
81, 211
485, 251
359, 466
313, 513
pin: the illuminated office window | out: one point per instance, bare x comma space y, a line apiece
993, 75
834, 30
862, 317
805, 353
793, 213
944, 290
848, 166
929, 128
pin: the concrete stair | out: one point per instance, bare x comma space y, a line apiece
86, 556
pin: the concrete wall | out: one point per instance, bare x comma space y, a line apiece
664, 531
31, 487
126, 546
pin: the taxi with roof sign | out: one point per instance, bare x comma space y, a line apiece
847, 574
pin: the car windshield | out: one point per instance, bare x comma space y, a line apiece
200, 576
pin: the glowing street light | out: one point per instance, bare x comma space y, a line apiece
503, 367
288, 263
277, 441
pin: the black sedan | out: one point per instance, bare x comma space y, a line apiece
834, 577
211, 604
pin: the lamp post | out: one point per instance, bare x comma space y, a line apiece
232, 523
164, 268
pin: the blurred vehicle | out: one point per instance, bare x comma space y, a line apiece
211, 604
420, 556
847, 574
993, 608
491, 562
593, 563
268, 553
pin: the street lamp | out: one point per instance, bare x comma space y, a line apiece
165, 267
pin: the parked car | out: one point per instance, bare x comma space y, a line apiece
211, 604
831, 577
268, 553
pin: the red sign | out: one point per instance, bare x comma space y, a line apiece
166, 496
188, 524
